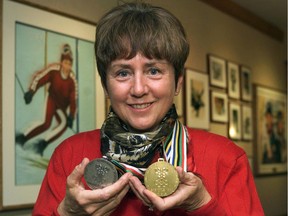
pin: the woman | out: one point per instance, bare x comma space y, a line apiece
140, 52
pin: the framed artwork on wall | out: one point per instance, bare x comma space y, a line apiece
197, 99
246, 83
233, 80
219, 107
247, 123
217, 71
33, 41
234, 128
271, 131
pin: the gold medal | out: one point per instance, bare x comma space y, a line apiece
161, 178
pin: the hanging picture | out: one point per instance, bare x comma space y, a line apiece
39, 113
233, 80
271, 131
217, 71
234, 129
247, 123
219, 107
246, 83
197, 99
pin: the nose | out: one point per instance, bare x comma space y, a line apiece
139, 87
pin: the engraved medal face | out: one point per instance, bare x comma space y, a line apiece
161, 178
100, 173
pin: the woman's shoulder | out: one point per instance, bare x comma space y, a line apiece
84, 142
86, 135
202, 140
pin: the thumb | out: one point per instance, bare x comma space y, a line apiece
185, 177
188, 178
181, 173
74, 179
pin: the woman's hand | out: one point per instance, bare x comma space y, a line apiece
190, 195
79, 201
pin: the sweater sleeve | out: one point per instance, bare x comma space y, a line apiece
65, 158
53, 187
42, 77
239, 195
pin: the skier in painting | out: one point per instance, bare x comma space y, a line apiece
61, 97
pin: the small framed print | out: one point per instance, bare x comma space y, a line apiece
217, 71
219, 107
197, 99
234, 121
246, 83
247, 123
233, 80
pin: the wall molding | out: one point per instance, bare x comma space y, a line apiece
246, 16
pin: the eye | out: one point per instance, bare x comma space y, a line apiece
154, 71
122, 73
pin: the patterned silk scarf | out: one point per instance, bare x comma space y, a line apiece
131, 152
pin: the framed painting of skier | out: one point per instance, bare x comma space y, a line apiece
51, 90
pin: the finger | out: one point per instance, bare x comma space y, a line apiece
74, 179
115, 201
112, 203
170, 201
138, 189
157, 202
181, 173
111, 190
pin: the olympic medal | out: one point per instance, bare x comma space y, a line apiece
100, 173
161, 178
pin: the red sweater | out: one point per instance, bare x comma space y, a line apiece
222, 165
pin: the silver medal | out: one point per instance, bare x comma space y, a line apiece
100, 173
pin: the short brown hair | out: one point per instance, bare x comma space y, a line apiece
138, 27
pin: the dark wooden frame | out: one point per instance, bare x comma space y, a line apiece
213, 61
213, 110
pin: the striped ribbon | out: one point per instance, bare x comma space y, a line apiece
175, 148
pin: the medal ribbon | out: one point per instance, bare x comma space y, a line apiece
175, 148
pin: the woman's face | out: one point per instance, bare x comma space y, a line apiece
141, 91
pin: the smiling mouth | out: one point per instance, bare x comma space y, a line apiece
141, 106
